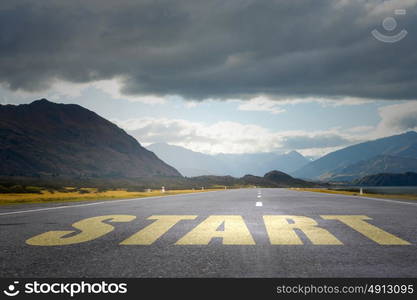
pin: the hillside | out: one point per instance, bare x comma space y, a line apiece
191, 163
406, 179
271, 179
376, 165
49, 139
332, 164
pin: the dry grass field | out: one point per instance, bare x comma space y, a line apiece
85, 194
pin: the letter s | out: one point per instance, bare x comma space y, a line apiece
90, 228
29, 288
123, 288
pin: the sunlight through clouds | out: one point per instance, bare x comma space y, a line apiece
232, 137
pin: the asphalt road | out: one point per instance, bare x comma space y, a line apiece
242, 247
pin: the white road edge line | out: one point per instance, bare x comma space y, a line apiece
96, 203
258, 203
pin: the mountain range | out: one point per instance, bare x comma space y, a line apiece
191, 163
67, 140
187, 162
50, 139
394, 154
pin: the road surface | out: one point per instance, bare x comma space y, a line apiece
232, 233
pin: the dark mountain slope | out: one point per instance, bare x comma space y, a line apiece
45, 138
376, 165
404, 145
385, 179
283, 179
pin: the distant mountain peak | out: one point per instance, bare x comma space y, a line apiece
165, 146
276, 173
294, 153
283, 179
42, 101
411, 132
186, 161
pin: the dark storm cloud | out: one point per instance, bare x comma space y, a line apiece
210, 49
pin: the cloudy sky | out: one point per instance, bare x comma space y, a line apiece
220, 76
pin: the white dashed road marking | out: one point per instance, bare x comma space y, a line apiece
258, 203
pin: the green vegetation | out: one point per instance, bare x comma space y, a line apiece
271, 179
19, 189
